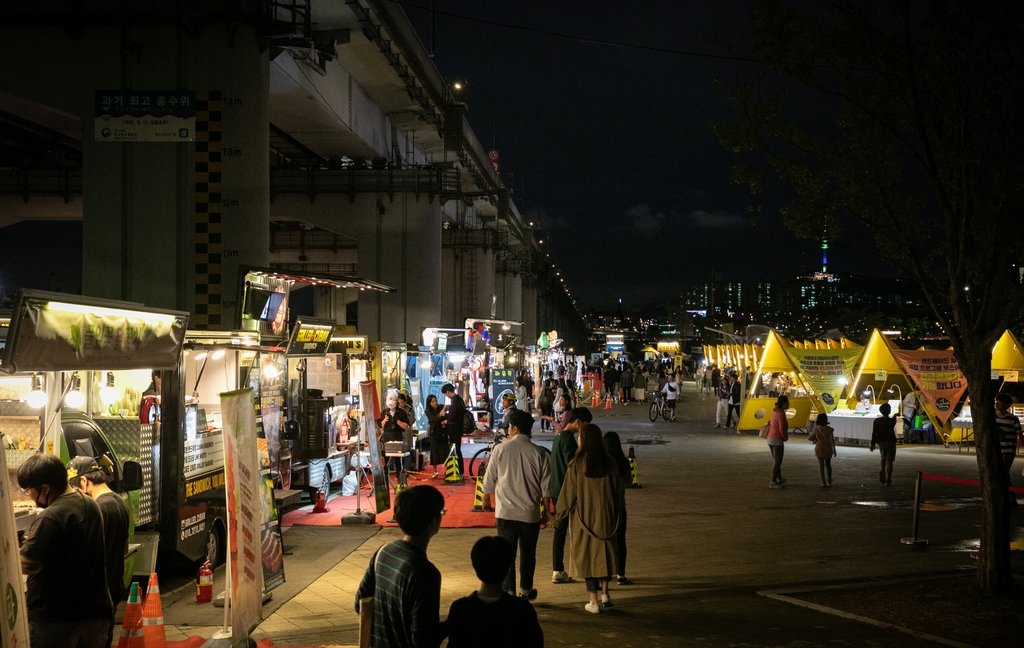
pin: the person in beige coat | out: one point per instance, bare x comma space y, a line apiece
592, 497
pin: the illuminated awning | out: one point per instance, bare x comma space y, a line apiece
332, 281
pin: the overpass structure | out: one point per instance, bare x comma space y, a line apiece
314, 136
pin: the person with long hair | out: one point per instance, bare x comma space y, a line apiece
592, 497
438, 438
613, 446
778, 434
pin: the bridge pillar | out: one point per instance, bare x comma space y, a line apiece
508, 288
145, 202
399, 244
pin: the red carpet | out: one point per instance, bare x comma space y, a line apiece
458, 502
197, 642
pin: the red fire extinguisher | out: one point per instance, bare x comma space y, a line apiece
204, 584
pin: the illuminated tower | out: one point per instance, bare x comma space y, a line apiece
824, 256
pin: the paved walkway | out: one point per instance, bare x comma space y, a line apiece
706, 534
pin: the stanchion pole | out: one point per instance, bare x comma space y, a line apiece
915, 542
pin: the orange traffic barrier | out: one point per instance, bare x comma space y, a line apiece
131, 627
153, 616
608, 402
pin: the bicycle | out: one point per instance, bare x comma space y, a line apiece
478, 464
659, 408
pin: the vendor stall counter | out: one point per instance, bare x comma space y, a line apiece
856, 424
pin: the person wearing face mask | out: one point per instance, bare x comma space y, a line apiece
394, 422
65, 542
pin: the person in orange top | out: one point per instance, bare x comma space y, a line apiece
778, 434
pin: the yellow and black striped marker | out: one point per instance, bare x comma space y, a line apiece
452, 470
478, 497
634, 479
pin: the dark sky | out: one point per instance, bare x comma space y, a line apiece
615, 143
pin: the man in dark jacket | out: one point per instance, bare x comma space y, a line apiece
68, 601
454, 419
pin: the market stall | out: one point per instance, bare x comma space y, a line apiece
82, 377
758, 406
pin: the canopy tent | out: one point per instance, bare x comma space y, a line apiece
756, 410
1007, 357
880, 373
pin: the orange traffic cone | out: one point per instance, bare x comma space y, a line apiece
153, 616
131, 628
608, 402
595, 399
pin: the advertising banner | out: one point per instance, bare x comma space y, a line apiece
502, 382
823, 369
269, 389
371, 414
243, 500
937, 376
14, 622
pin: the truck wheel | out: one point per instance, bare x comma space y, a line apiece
215, 544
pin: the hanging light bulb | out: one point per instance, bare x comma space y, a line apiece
108, 395
75, 398
37, 397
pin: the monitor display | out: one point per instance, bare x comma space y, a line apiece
272, 307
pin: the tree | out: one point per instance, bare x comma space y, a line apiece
908, 117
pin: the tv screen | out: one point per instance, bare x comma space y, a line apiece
256, 301
272, 306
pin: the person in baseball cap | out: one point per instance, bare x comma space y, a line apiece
86, 475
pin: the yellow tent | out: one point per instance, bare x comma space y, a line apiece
1007, 357
757, 410
881, 377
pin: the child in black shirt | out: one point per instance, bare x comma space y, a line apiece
490, 616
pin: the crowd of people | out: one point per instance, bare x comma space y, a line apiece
581, 483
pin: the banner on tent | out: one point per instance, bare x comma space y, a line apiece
937, 376
825, 370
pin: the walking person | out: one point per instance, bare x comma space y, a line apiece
546, 402
563, 449
561, 414
824, 448
1009, 430
670, 390
454, 420
778, 434
734, 400
613, 446
407, 595
518, 476
522, 396
883, 434
592, 498
627, 385
435, 432
640, 386
722, 407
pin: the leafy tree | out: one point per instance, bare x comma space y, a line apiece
908, 117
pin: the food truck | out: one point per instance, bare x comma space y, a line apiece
81, 377
317, 399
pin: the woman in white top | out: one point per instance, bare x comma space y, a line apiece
522, 397
671, 389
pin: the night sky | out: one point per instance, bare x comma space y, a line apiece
615, 142
621, 167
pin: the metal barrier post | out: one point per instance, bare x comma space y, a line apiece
915, 542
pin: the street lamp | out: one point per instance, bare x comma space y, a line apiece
459, 86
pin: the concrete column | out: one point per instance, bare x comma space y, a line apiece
530, 330
399, 244
139, 203
509, 290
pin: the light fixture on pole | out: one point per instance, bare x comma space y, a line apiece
460, 86
889, 391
